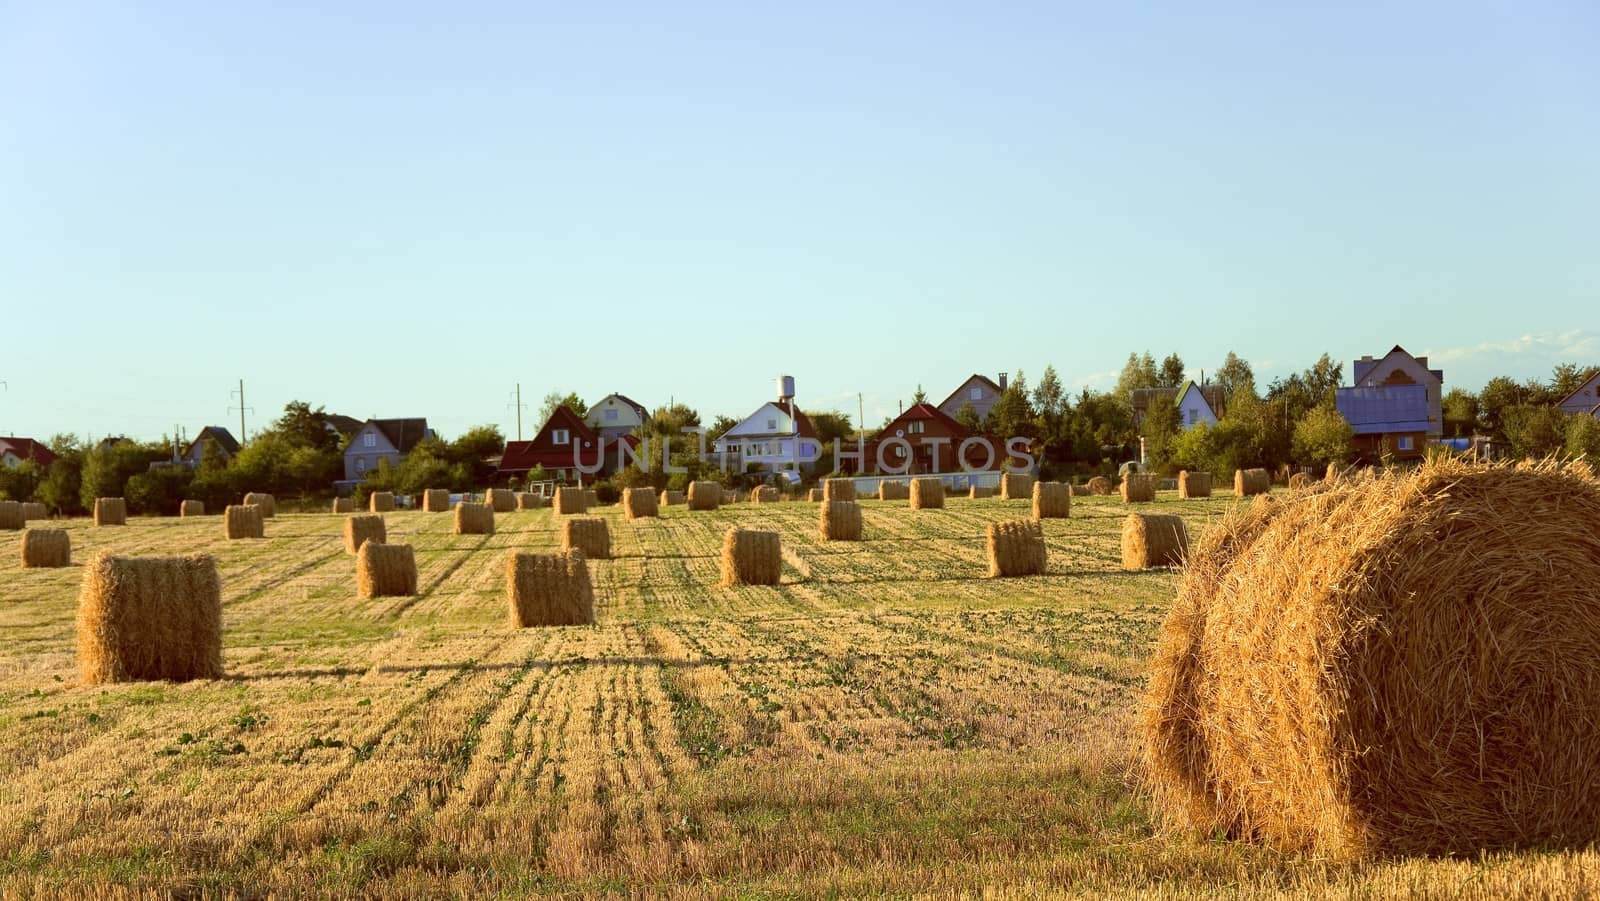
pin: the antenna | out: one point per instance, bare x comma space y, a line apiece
241, 408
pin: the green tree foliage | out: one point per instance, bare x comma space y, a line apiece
61, 488
1195, 449
1498, 396
158, 491
107, 468
1012, 414
1535, 430
1233, 375
1160, 432
921, 397
1172, 371
967, 416
1322, 437
554, 399
1583, 437
670, 421
302, 426
20, 483
1139, 372
1567, 378
1460, 408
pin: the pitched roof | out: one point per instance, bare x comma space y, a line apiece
967, 381
1384, 409
1140, 398
345, 425
801, 420
28, 449
220, 435
404, 434
1586, 383
924, 411
521, 456
637, 407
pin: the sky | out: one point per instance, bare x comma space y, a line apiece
396, 209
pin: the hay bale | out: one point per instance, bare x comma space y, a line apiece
1015, 486
1016, 548
1194, 484
436, 500
980, 492
1051, 500
1247, 482
591, 498
1138, 488
549, 589
838, 490
1299, 480
638, 503
588, 534
385, 570
148, 618
380, 502
240, 521
1080, 490
1153, 539
570, 501
343, 505
267, 503
1407, 666
705, 495
359, 530
750, 557
192, 508
11, 515
1333, 473
32, 511
474, 519
672, 498
108, 511
527, 500
814, 495
840, 521
1100, 486
893, 491
1579, 468
765, 494
45, 548
500, 500
927, 494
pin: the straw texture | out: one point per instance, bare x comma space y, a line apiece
386, 570
840, 521
149, 618
549, 589
359, 530
1051, 500
750, 557
588, 534
1150, 540
46, 548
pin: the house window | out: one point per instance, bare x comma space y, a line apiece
772, 424
916, 428
361, 464
611, 416
1194, 416
976, 393
369, 440
1406, 442
561, 436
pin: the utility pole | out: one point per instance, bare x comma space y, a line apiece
242, 408
861, 417
519, 406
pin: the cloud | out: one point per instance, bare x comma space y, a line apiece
1533, 354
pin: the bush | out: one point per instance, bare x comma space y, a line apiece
605, 491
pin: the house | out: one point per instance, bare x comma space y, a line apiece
978, 391
223, 440
382, 439
1585, 401
342, 425
1196, 403
777, 436
929, 440
1400, 368
16, 451
616, 415
1388, 420
564, 447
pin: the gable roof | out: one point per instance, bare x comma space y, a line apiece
404, 434
1190, 385
925, 411
217, 433
637, 407
521, 456
975, 376
1388, 408
1139, 399
28, 449
801, 420
1587, 383
1364, 367
344, 425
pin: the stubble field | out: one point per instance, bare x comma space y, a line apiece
886, 721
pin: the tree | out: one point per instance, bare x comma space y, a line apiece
1233, 375
720, 427
1195, 449
1583, 437
305, 427
1535, 430
1012, 414
20, 482
554, 399
1160, 430
1567, 378
1049, 400
1460, 409
921, 397
1139, 372
831, 424
1322, 437
968, 418
670, 421
1171, 374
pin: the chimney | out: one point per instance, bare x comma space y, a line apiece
1002, 381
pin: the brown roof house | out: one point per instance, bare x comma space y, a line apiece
979, 392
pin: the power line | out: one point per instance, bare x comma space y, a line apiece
241, 408
519, 406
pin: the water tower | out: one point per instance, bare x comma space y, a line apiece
785, 387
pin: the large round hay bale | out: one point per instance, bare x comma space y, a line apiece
11, 518
570, 501
589, 534
1194, 485
640, 503
1247, 482
359, 530
765, 494
840, 521
1080, 491
46, 548
1138, 488
838, 490
890, 490
528, 500
267, 503
751, 557
1016, 486
149, 618
927, 494
33, 511
980, 492
1299, 480
1150, 540
814, 495
386, 570
1408, 666
672, 498
705, 495
549, 589
501, 500
1016, 548
342, 505
1100, 486
241, 521
474, 519
436, 500
1051, 500
108, 511
591, 498
380, 502
192, 508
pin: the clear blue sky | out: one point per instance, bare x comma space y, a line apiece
402, 210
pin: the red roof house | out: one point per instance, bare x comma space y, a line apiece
563, 442
924, 436
15, 451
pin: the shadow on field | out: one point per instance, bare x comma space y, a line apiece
342, 672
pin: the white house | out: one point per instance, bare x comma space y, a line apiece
1193, 408
778, 435
616, 415
1195, 404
